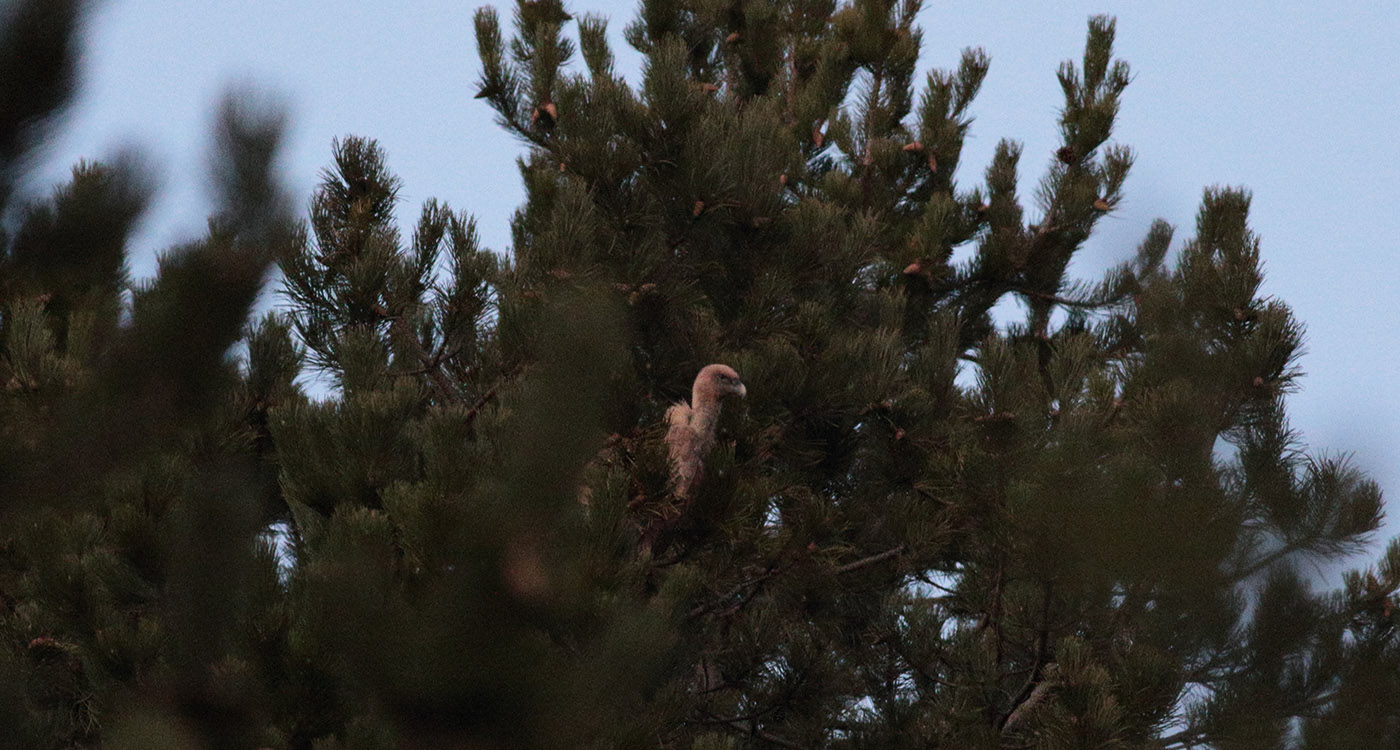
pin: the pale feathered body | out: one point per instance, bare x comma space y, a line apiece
691, 431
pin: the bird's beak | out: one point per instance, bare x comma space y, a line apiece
743, 390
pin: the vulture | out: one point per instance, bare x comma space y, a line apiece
691, 434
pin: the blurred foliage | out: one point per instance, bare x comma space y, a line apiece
1078, 525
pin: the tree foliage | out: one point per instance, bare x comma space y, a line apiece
970, 500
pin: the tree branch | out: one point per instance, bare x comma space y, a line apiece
431, 365
873, 559
1026, 697
738, 589
1085, 304
738, 724
1022, 711
481, 404
1266, 560
758, 580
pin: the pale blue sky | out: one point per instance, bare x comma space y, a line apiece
1296, 100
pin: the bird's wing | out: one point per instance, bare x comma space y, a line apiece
681, 439
679, 436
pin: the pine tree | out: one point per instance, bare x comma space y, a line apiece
1076, 524
132, 566
1074, 528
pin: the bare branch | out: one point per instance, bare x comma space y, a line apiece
1022, 711
873, 559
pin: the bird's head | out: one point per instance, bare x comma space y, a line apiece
718, 381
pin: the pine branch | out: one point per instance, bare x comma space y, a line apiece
1085, 304
756, 581
923, 577
431, 365
1267, 560
1186, 738
873, 559
741, 725
1034, 690
481, 404
1033, 699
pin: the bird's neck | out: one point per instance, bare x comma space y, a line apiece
704, 411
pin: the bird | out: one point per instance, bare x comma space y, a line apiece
691, 431
690, 435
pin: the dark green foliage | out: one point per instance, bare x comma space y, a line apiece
1076, 525
38, 64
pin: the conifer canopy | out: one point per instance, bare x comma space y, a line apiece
427, 501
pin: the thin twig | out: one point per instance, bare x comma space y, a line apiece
753, 731
736, 591
873, 559
756, 581
1087, 304
1266, 560
431, 365
480, 404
